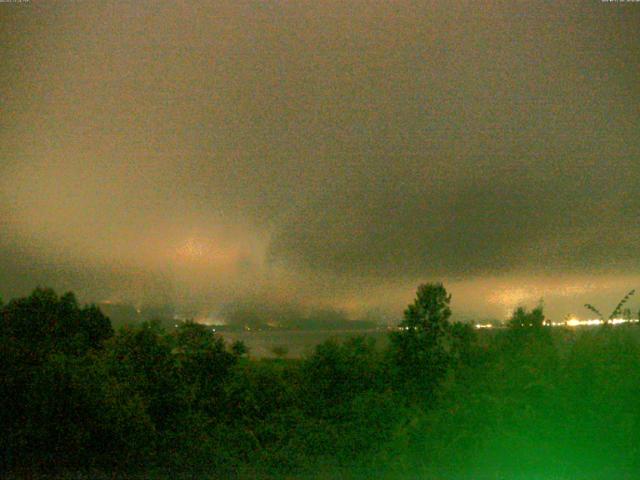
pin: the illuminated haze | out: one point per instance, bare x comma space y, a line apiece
322, 154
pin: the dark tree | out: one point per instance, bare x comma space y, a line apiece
280, 351
521, 318
239, 348
141, 359
463, 340
43, 322
339, 370
204, 363
421, 348
616, 311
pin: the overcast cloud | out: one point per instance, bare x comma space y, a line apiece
332, 154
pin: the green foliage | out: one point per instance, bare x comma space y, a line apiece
528, 402
42, 323
239, 348
617, 311
337, 372
203, 364
280, 351
522, 319
141, 359
463, 342
422, 348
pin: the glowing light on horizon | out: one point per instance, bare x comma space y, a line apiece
573, 322
596, 321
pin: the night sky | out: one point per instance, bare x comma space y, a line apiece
322, 154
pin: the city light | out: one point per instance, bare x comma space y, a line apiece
572, 322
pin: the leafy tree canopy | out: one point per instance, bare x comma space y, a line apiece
44, 321
422, 346
521, 318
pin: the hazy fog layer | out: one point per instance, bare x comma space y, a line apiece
327, 154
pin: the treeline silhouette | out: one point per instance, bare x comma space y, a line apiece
437, 401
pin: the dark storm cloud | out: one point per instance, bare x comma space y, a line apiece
305, 151
498, 218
